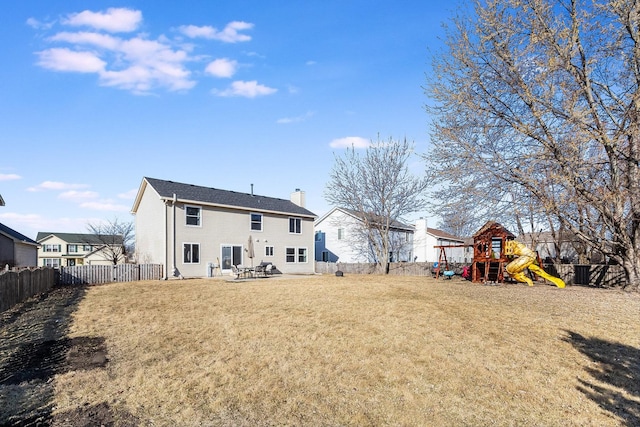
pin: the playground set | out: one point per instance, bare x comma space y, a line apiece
495, 251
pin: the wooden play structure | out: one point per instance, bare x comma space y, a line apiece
489, 255
442, 266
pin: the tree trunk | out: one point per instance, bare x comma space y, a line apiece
631, 266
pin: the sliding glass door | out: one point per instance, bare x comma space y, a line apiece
231, 255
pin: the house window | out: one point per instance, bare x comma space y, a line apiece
295, 225
256, 222
51, 262
191, 253
340, 233
52, 248
290, 255
302, 255
193, 215
86, 248
72, 248
268, 251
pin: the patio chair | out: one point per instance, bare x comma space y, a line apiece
236, 271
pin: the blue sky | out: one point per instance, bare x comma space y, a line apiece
225, 94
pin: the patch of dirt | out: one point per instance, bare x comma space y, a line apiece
94, 415
34, 347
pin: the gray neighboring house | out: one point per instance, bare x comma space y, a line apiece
16, 249
188, 227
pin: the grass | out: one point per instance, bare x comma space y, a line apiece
359, 350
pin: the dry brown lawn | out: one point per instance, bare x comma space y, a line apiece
358, 350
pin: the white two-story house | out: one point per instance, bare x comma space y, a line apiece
340, 237
71, 249
188, 227
427, 243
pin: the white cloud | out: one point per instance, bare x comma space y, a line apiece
222, 67
9, 177
114, 20
246, 89
63, 59
350, 141
38, 25
129, 195
57, 186
302, 118
103, 41
106, 205
230, 33
150, 64
78, 195
138, 63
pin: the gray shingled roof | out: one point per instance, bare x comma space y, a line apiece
214, 196
81, 239
15, 235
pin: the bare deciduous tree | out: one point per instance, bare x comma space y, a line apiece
115, 239
378, 185
543, 95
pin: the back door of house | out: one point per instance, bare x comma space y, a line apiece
231, 255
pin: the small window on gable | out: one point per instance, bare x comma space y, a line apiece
256, 222
193, 215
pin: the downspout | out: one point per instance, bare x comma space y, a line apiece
166, 241
173, 238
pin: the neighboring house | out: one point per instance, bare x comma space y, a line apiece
544, 243
17, 250
426, 239
340, 238
69, 249
188, 227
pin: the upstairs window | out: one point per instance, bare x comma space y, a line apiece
72, 248
295, 225
256, 222
193, 215
340, 233
51, 248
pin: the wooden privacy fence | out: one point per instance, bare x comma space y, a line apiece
17, 286
395, 268
602, 276
98, 274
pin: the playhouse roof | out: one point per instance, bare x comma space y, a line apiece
493, 228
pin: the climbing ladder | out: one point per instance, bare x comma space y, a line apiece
495, 272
